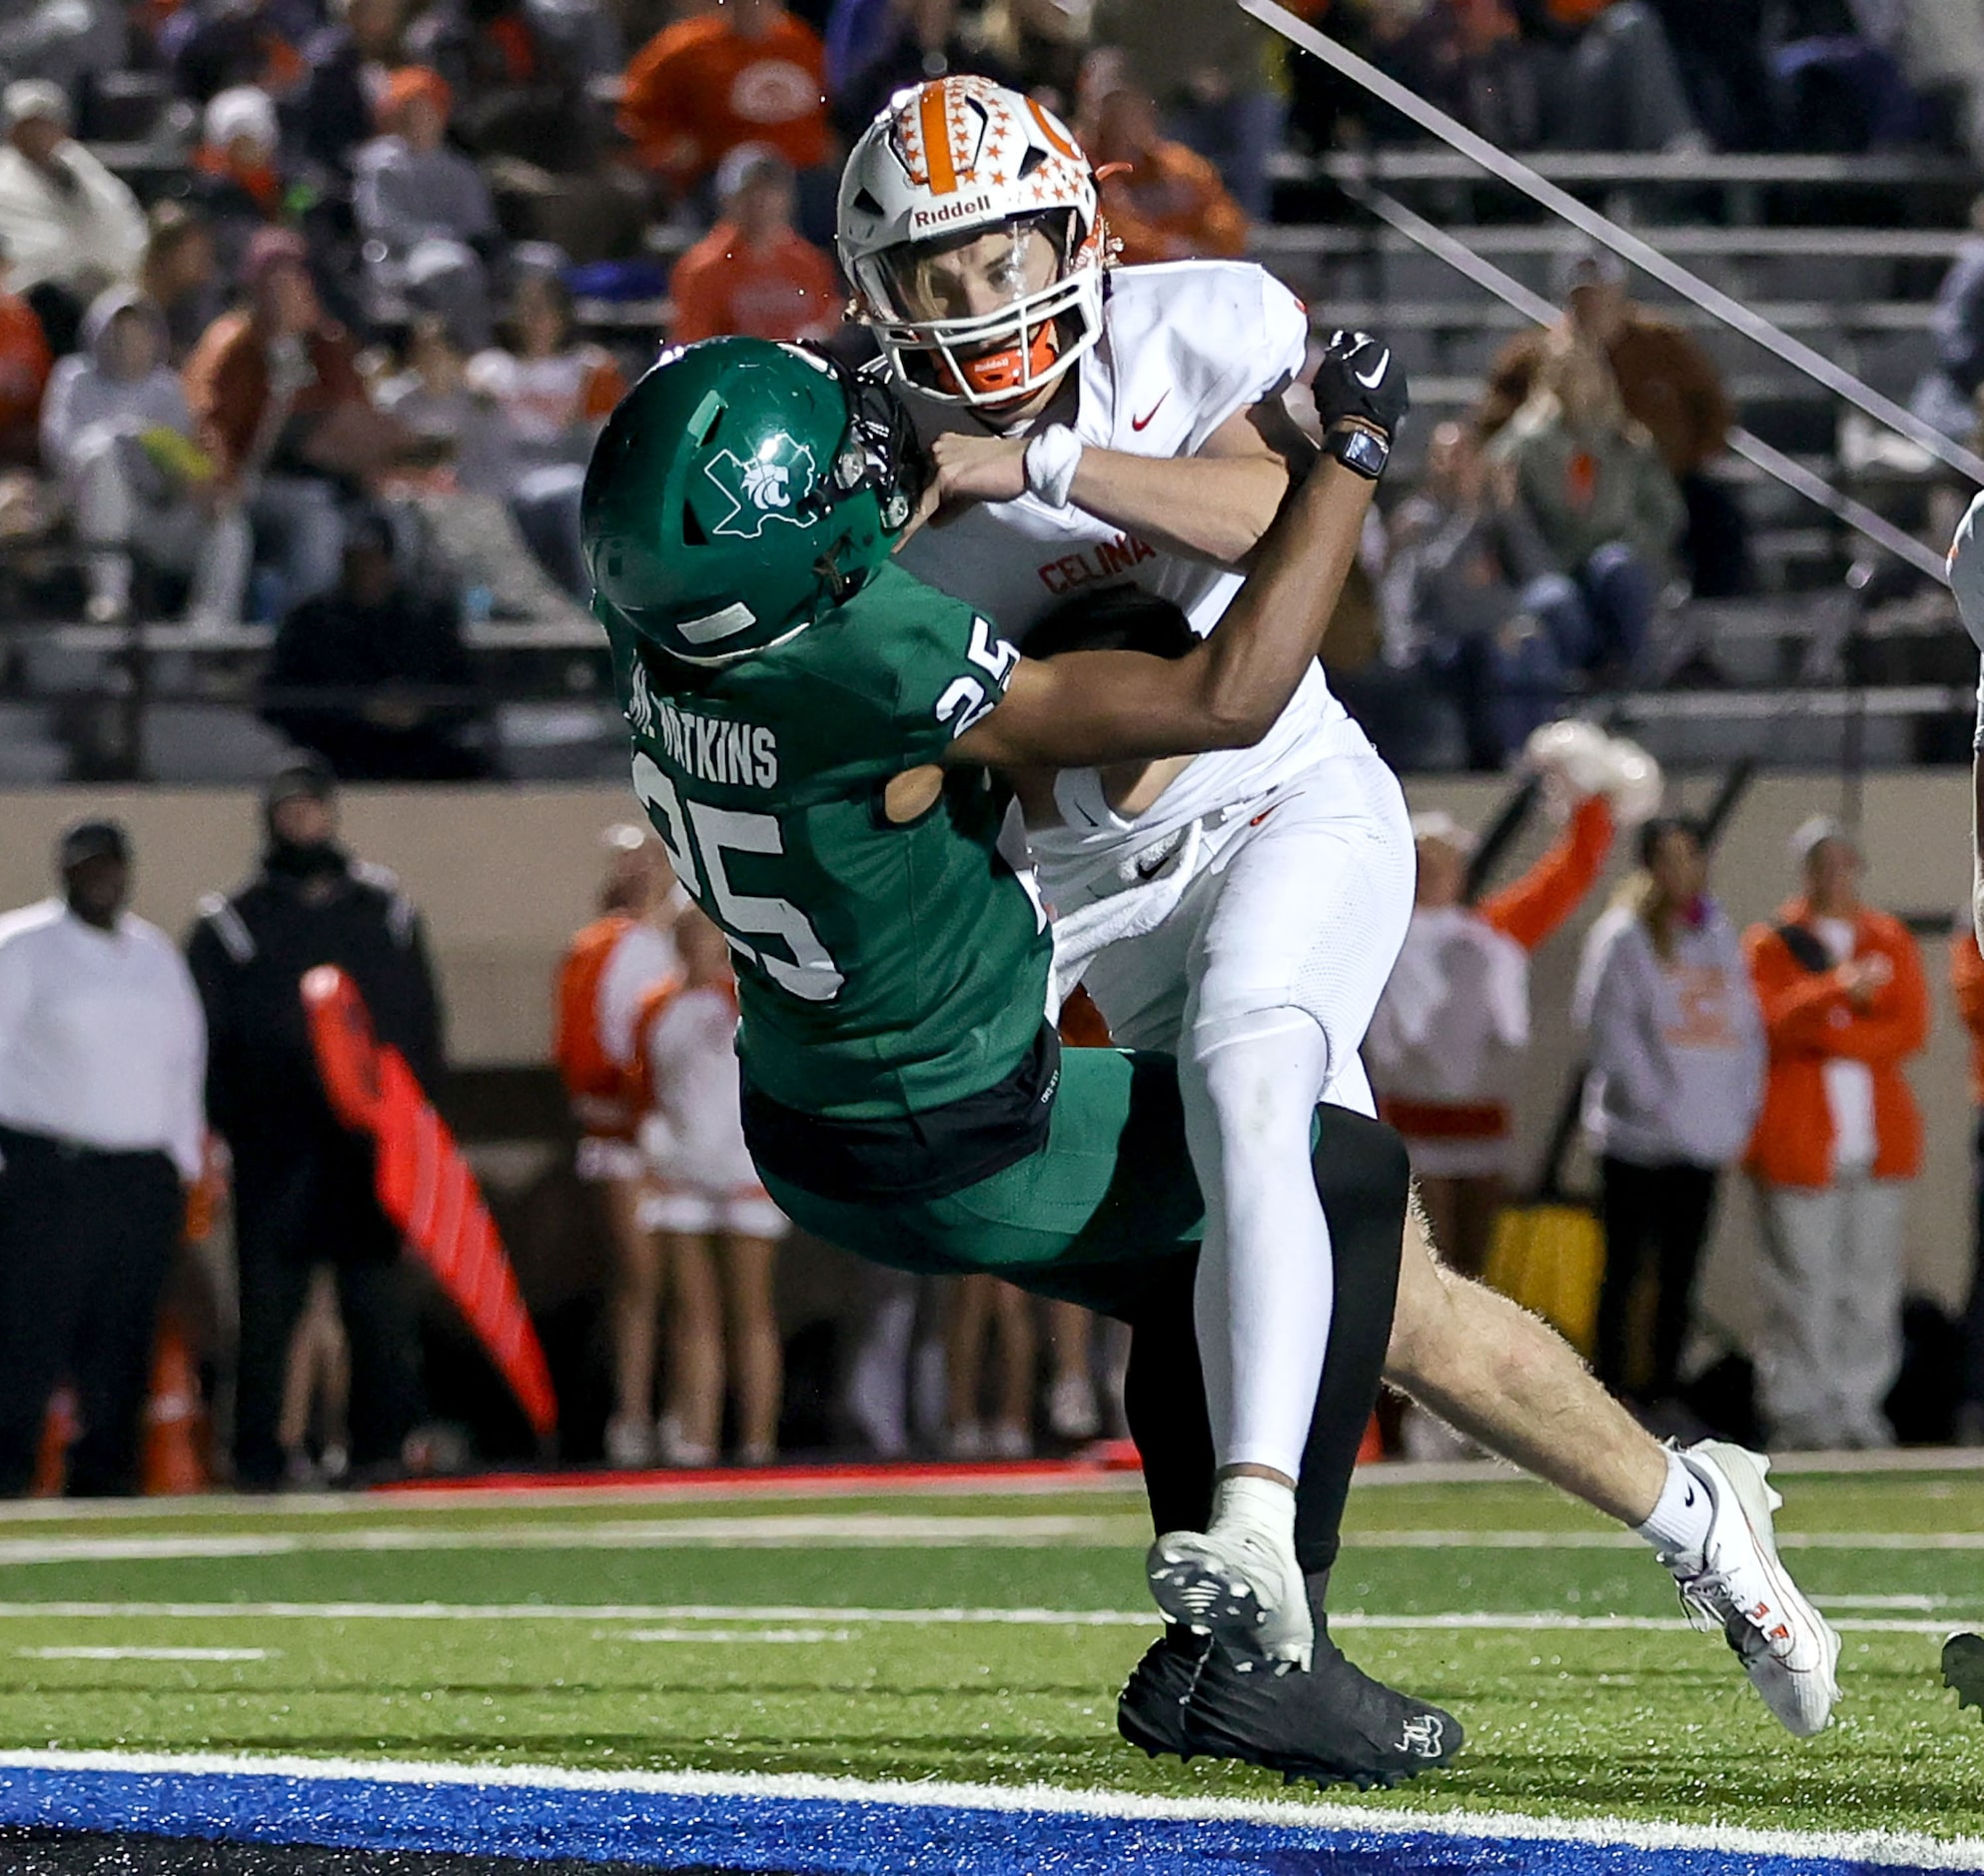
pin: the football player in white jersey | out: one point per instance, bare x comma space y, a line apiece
1101, 427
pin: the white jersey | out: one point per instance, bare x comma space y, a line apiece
1185, 346
695, 1134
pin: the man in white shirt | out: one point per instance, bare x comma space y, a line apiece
70, 227
103, 1053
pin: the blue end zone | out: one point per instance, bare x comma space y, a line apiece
809, 1836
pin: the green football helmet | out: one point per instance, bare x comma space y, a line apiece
740, 491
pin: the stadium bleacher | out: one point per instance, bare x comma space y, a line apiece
1844, 252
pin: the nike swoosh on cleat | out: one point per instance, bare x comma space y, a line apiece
1376, 373
1139, 422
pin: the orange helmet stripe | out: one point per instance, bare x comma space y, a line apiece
1052, 135
936, 128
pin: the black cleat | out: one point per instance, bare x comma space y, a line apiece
1191, 1697
1152, 1711
1333, 1725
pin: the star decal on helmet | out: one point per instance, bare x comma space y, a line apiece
762, 488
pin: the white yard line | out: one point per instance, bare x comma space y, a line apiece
1899, 1602
146, 1654
1875, 1847
1511, 1621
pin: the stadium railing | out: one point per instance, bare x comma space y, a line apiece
1396, 229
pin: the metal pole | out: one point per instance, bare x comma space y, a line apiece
1622, 241
1766, 457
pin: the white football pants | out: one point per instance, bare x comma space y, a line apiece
1261, 982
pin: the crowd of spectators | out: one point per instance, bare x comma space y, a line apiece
1552, 526
1782, 1052
362, 229
1650, 75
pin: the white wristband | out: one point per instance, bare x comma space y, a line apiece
1051, 460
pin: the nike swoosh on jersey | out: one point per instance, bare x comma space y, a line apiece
1140, 423
1376, 373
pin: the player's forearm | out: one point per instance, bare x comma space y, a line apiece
1209, 508
1086, 709
1274, 629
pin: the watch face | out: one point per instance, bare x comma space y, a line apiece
1360, 451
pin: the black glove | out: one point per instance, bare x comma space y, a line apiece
1359, 377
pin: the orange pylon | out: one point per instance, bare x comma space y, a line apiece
173, 1462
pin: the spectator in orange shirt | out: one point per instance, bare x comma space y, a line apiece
236, 179
24, 366
1166, 202
753, 272
279, 404
1844, 1006
743, 71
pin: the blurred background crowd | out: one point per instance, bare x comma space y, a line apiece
311, 309
309, 312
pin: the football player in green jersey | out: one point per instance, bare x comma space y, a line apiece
813, 730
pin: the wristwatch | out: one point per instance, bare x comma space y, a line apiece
1363, 450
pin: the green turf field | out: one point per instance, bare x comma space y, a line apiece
797, 1634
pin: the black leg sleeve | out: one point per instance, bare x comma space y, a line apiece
1164, 1400
1363, 1174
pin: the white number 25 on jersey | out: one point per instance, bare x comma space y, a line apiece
707, 831
964, 701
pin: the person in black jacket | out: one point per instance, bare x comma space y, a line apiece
302, 1184
374, 675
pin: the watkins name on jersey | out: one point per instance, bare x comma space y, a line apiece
711, 748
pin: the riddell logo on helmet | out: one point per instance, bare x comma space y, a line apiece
947, 211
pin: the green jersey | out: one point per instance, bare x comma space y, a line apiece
881, 969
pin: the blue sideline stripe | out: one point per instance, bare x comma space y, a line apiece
816, 1837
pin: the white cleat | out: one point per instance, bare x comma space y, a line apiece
1788, 1650
1237, 1586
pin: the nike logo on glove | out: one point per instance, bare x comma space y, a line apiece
1371, 382
1139, 422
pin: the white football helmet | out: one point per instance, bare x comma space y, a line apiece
964, 157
